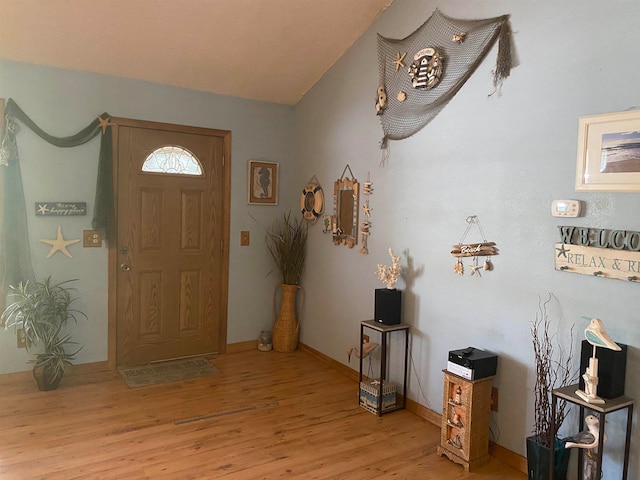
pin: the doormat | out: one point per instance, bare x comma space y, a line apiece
167, 372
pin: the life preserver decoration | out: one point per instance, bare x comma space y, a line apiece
312, 202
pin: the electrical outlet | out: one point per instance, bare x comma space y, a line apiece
21, 339
365, 338
244, 238
91, 238
494, 399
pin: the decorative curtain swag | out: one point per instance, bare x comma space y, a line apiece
15, 256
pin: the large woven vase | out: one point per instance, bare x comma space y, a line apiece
286, 327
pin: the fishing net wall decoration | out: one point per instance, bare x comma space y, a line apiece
421, 73
15, 254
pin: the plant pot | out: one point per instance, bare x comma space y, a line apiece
286, 327
45, 379
539, 460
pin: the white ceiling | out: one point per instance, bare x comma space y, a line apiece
271, 50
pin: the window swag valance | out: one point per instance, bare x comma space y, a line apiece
15, 256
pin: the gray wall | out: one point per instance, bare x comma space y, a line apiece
62, 102
503, 158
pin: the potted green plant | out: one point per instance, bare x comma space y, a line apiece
553, 370
42, 310
287, 243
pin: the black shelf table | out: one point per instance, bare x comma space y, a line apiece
601, 411
385, 331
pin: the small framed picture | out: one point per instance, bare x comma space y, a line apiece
609, 152
263, 183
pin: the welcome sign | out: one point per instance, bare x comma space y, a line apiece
598, 252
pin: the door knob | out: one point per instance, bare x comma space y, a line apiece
125, 267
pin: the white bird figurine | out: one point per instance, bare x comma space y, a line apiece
588, 438
367, 348
597, 336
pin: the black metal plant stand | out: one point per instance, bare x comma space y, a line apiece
601, 411
385, 331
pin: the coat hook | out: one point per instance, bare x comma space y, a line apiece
597, 274
632, 278
564, 267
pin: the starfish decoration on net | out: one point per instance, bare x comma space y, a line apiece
104, 123
398, 61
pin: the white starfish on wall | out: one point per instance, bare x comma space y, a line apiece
59, 244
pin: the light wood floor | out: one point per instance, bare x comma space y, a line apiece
265, 416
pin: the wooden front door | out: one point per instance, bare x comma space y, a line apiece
172, 235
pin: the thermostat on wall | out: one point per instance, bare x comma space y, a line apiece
566, 208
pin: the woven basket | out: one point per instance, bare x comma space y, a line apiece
286, 326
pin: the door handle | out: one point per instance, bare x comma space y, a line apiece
125, 267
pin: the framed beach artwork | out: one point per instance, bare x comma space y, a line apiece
609, 152
263, 183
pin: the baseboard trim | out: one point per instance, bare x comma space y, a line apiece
497, 451
340, 367
508, 457
242, 346
88, 368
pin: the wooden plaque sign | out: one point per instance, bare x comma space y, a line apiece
60, 209
599, 262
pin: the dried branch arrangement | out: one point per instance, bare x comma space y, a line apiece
553, 370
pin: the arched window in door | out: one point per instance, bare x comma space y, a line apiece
172, 160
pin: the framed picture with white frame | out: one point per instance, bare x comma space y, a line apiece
609, 152
263, 183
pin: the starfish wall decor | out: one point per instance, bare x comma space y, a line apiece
59, 244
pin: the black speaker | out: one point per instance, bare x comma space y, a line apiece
612, 367
388, 306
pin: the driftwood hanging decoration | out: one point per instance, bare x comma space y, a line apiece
473, 250
365, 228
421, 73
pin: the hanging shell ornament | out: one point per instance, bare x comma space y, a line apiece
488, 266
5, 155
426, 70
459, 37
458, 268
9, 147
367, 188
381, 100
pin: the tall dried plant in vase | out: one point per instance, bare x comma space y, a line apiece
553, 370
287, 242
546, 452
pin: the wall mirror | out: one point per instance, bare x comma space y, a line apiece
346, 199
